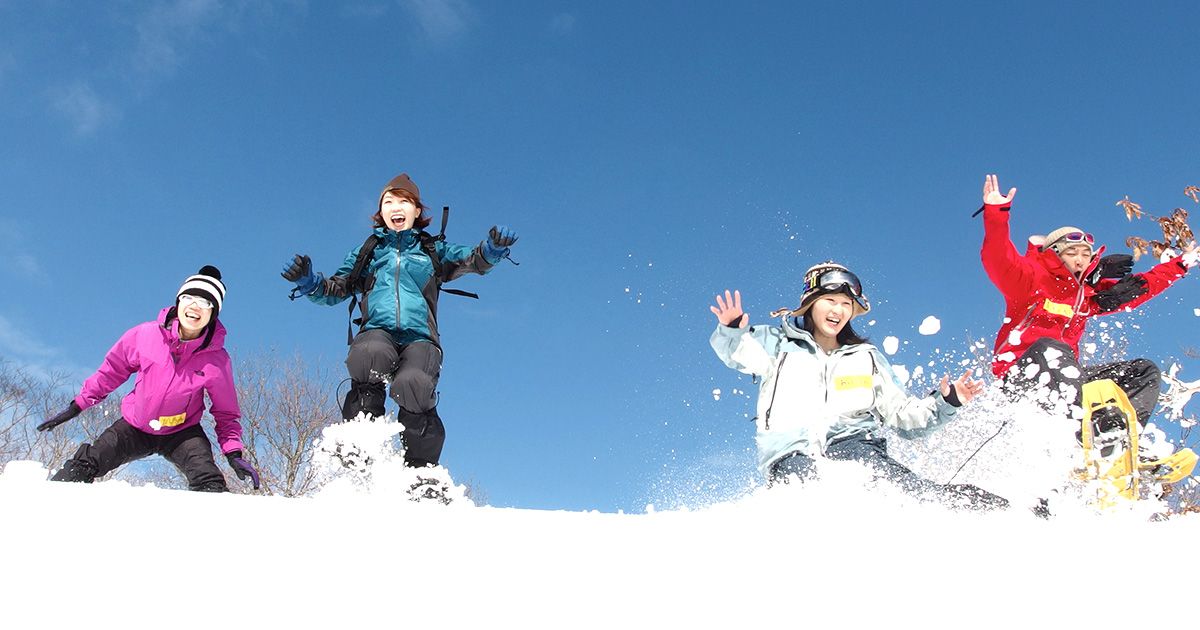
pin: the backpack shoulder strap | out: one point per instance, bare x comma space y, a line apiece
357, 281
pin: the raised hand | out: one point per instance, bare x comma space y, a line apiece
495, 246
1191, 256
965, 387
501, 236
299, 270
991, 192
729, 310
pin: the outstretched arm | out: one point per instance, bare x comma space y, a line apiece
461, 259
1140, 287
1005, 266
748, 350
119, 364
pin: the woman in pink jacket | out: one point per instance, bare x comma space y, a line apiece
178, 359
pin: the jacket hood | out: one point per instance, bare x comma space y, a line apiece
1050, 260
171, 329
803, 338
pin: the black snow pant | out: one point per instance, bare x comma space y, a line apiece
189, 450
1058, 371
872, 452
412, 370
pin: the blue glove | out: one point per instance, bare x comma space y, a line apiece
242, 467
500, 238
299, 270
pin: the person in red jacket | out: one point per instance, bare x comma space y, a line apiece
1050, 292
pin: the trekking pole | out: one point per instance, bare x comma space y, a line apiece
972, 456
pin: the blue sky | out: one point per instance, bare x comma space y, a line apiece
648, 154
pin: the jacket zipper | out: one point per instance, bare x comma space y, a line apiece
396, 284
774, 388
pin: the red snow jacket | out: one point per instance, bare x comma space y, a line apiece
1042, 298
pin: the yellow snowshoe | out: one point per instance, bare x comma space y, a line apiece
1109, 434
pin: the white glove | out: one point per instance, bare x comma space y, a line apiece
1191, 258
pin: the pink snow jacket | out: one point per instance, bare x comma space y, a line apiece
172, 377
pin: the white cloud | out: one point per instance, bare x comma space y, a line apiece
562, 24
18, 343
165, 28
14, 259
82, 107
441, 20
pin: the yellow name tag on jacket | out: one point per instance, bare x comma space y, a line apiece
843, 383
1058, 309
172, 421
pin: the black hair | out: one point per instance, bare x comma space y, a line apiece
209, 328
845, 336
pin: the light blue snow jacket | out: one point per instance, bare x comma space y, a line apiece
808, 399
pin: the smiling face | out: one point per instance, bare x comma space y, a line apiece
830, 314
194, 314
1076, 258
398, 212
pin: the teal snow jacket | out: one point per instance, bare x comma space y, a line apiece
402, 290
808, 399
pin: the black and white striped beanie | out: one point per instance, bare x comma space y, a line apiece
206, 284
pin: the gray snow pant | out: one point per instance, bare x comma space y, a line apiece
413, 371
872, 452
1139, 378
189, 450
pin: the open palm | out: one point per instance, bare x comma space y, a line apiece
991, 192
729, 310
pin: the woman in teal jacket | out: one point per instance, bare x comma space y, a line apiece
402, 270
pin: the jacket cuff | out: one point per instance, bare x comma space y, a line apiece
952, 397
731, 331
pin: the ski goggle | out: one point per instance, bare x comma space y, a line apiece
833, 280
1076, 237
200, 302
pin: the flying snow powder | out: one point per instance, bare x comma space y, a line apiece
716, 394
891, 345
930, 326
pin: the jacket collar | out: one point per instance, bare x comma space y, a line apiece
1052, 263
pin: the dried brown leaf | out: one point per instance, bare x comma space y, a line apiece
1132, 209
1138, 245
1193, 192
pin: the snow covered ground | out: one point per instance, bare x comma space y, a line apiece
837, 551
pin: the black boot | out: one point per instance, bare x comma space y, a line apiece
80, 468
364, 397
424, 434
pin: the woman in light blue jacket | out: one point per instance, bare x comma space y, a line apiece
825, 393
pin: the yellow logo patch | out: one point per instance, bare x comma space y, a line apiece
843, 383
1055, 308
172, 421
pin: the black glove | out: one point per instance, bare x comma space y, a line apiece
242, 467
1113, 266
1126, 290
71, 411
